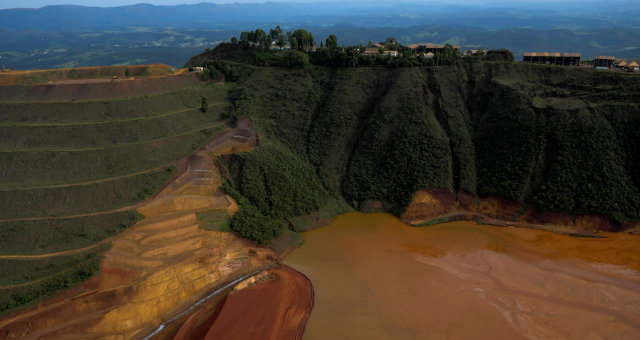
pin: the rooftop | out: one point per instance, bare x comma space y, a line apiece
550, 54
430, 45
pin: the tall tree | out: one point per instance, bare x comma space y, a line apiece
332, 43
304, 39
244, 37
277, 35
205, 105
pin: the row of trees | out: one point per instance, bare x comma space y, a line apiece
330, 53
299, 39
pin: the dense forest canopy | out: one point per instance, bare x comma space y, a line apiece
558, 139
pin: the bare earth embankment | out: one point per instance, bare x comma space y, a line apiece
91, 83
158, 267
274, 305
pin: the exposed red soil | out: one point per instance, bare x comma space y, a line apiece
97, 89
91, 73
441, 203
157, 268
276, 309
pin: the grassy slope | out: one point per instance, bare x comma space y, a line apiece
106, 110
560, 138
77, 158
50, 236
40, 279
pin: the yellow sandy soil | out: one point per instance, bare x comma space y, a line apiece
161, 265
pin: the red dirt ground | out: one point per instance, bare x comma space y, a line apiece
276, 309
95, 89
438, 203
158, 267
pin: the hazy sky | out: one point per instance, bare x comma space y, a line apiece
99, 3
111, 3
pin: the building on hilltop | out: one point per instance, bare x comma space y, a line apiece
474, 52
275, 47
371, 50
567, 59
630, 66
390, 53
428, 55
603, 61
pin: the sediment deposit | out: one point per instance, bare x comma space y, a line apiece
377, 278
274, 305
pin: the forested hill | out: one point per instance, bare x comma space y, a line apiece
554, 138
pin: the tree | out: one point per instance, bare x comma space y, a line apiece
448, 55
296, 59
244, 37
250, 223
303, 38
502, 54
332, 43
127, 73
294, 43
234, 40
205, 105
251, 36
277, 35
261, 37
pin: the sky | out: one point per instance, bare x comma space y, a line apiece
98, 3
111, 3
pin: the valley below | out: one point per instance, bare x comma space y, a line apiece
270, 202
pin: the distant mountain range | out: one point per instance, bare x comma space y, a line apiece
69, 36
367, 14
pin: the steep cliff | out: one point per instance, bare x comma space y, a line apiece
539, 140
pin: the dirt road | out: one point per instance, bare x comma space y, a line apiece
158, 267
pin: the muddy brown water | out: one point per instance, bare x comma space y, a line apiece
377, 278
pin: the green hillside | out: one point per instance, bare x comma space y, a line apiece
74, 172
555, 138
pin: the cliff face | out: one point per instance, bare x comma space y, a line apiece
541, 140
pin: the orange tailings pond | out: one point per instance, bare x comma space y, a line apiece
376, 277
